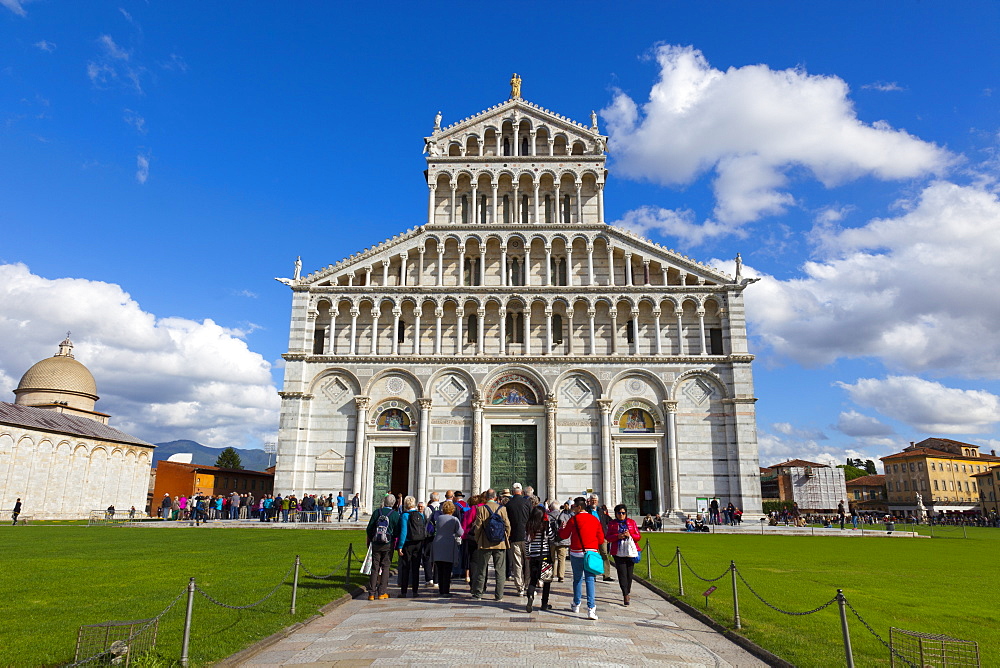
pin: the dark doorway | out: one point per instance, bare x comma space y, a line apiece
391, 473
638, 466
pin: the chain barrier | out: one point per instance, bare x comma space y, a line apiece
131, 637
785, 612
685, 562
350, 550
251, 605
659, 563
880, 639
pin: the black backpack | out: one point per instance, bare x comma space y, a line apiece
416, 528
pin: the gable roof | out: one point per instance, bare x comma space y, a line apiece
939, 454
61, 423
800, 463
876, 480
515, 103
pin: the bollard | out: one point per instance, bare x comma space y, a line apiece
649, 563
295, 584
736, 597
350, 552
842, 602
187, 624
680, 575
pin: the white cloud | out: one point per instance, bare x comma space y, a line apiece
883, 86
676, 223
751, 125
142, 168
135, 120
787, 429
245, 293
927, 406
855, 424
160, 378
175, 62
111, 49
46, 46
917, 291
16, 6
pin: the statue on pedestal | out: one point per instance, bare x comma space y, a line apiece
515, 87
437, 121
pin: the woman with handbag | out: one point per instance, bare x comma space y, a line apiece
539, 537
586, 537
624, 536
446, 546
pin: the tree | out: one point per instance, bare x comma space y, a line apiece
229, 459
870, 467
852, 472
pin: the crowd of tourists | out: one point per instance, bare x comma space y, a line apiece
527, 543
268, 508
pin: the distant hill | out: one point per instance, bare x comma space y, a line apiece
252, 460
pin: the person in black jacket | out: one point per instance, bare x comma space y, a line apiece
518, 509
16, 511
378, 580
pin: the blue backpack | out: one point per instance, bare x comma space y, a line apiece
496, 530
382, 532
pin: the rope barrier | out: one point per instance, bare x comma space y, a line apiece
133, 636
251, 605
880, 639
650, 554
350, 550
685, 562
785, 612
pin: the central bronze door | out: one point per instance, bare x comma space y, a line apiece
513, 456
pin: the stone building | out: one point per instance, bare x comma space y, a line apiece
58, 454
815, 487
515, 336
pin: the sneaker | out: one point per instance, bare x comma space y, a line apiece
522, 593
371, 597
591, 613
574, 608
477, 597
608, 579
382, 597
531, 601
498, 598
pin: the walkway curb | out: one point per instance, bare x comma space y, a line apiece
240, 657
744, 642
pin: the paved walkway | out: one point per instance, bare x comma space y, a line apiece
430, 631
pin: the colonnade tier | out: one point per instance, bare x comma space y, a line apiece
516, 259
516, 325
520, 137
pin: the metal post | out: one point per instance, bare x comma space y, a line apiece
842, 602
187, 624
295, 584
350, 552
649, 563
964, 534
736, 597
680, 575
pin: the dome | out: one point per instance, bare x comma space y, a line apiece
59, 379
59, 374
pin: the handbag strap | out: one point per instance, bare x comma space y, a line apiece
576, 525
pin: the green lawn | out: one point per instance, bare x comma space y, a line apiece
57, 578
941, 585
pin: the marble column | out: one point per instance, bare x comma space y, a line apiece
440, 267
461, 267
460, 323
675, 495
476, 461
385, 271
605, 406
481, 324
354, 330
611, 265
590, 264
593, 339
659, 333
550, 448
628, 270
701, 329
417, 334
423, 450
396, 313
376, 311
454, 189
438, 315
548, 331
570, 342
360, 456
402, 271
430, 203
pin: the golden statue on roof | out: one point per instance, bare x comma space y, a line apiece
515, 87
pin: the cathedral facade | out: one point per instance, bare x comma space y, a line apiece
516, 337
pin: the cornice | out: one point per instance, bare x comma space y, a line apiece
452, 359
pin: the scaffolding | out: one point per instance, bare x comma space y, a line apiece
930, 650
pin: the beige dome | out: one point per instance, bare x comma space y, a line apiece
59, 374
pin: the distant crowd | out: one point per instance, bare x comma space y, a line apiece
267, 508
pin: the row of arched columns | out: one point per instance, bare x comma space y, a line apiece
518, 326
514, 260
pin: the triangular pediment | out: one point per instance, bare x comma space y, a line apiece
494, 117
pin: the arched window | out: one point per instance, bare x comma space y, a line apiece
506, 209
524, 146
506, 146
563, 269
567, 209
471, 272
630, 330
465, 209
482, 209
515, 272
319, 340
472, 331
515, 327
557, 328
401, 332
548, 209
524, 209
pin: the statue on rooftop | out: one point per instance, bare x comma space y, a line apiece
298, 268
739, 268
437, 121
515, 87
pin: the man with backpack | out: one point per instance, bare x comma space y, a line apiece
383, 527
492, 532
518, 508
413, 532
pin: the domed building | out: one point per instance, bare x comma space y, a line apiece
58, 454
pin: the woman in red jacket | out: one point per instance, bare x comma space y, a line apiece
585, 535
620, 528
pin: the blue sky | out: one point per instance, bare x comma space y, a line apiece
161, 162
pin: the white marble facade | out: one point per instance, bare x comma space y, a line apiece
516, 310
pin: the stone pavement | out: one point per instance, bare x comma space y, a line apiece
431, 631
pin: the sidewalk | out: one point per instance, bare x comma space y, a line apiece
430, 631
